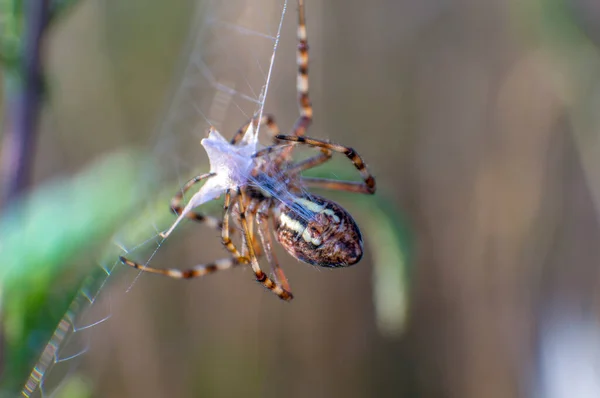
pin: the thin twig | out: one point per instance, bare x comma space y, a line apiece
22, 105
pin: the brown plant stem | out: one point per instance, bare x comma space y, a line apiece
23, 97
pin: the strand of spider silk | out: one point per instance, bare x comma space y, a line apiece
275, 186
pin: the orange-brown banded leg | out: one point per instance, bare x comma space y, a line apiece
194, 272
177, 200
262, 219
266, 120
304, 105
368, 179
260, 275
335, 185
281, 149
310, 163
250, 220
306, 164
251, 211
225, 238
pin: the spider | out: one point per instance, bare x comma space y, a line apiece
310, 228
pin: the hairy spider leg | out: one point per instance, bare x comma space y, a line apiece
311, 162
265, 120
262, 219
225, 238
251, 210
261, 277
194, 272
201, 269
366, 186
304, 104
177, 208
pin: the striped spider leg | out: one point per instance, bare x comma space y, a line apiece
304, 104
262, 217
201, 269
261, 277
242, 218
366, 186
194, 215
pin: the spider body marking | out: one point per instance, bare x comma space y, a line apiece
330, 238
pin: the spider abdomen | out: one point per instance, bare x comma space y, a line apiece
318, 231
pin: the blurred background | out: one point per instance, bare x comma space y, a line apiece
480, 121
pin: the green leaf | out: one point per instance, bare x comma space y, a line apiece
12, 29
47, 243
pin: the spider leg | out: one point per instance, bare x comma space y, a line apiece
194, 272
310, 163
201, 269
265, 120
251, 211
261, 277
177, 208
267, 242
304, 105
306, 164
335, 185
368, 184
272, 128
225, 238
187, 210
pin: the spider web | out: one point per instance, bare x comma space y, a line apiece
223, 81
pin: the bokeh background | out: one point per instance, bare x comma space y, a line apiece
480, 121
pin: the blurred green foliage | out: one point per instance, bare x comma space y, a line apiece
47, 245
12, 27
76, 386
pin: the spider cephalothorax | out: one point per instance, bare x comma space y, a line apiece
262, 185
